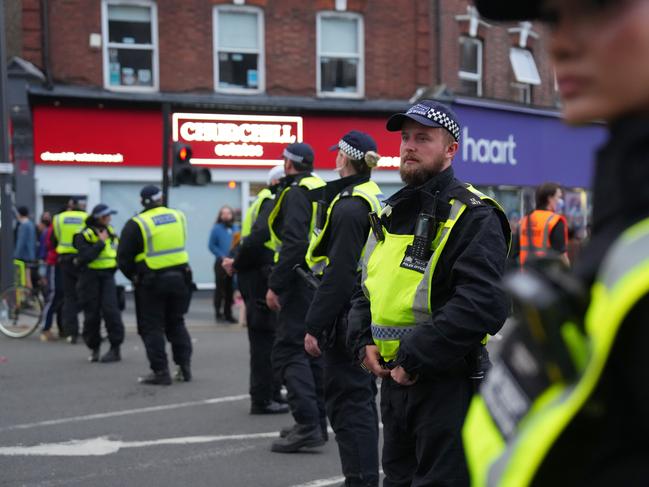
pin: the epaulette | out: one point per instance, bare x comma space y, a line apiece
466, 196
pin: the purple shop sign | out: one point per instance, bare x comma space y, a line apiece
523, 147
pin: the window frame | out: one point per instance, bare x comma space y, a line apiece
261, 50
529, 81
468, 75
154, 46
525, 89
360, 70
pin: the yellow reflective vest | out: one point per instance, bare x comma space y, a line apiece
164, 232
66, 225
253, 212
107, 259
512, 456
316, 257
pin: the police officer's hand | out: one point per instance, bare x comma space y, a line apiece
311, 345
400, 376
228, 265
272, 300
103, 234
371, 361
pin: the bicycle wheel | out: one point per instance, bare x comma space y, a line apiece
21, 311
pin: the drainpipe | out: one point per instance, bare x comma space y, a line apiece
45, 43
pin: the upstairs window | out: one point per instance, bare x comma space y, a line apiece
526, 74
130, 45
340, 48
470, 73
238, 49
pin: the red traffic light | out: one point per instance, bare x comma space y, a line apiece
183, 154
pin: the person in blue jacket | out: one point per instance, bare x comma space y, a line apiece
220, 245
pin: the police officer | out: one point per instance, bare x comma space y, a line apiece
290, 224
97, 261
587, 422
66, 225
252, 263
334, 254
431, 273
152, 255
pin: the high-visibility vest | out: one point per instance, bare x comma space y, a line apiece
107, 259
400, 296
164, 232
506, 446
253, 212
66, 225
316, 256
308, 182
538, 225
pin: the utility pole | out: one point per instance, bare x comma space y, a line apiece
166, 135
6, 170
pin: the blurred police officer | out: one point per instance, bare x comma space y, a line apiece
431, 274
334, 254
152, 255
66, 225
97, 262
290, 224
252, 263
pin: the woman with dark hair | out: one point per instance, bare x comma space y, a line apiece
220, 244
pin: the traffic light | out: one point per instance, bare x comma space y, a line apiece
183, 172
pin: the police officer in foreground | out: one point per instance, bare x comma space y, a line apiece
334, 255
290, 224
252, 263
152, 255
431, 274
97, 262
66, 225
585, 422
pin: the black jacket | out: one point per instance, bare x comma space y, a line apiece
252, 253
466, 297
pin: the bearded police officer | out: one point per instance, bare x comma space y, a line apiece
431, 273
152, 255
290, 224
334, 255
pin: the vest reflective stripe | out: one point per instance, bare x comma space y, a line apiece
316, 257
539, 224
308, 182
66, 225
107, 259
622, 282
164, 232
253, 212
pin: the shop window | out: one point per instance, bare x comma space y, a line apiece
130, 45
238, 49
340, 47
470, 73
526, 73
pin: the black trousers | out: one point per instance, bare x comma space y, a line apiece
98, 298
301, 373
262, 323
223, 292
161, 302
422, 424
70, 310
350, 398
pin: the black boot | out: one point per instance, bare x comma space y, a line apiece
160, 378
268, 407
183, 373
286, 430
113, 355
94, 355
302, 436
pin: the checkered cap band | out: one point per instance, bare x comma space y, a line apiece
350, 151
292, 157
438, 117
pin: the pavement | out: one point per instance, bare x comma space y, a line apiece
67, 422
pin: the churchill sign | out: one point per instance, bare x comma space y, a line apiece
236, 140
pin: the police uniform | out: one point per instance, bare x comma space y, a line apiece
97, 292
290, 224
427, 306
66, 225
334, 255
152, 254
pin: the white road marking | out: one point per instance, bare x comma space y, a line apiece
105, 446
126, 412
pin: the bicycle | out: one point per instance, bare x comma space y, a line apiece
21, 308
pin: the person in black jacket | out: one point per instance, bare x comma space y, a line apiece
96, 259
422, 326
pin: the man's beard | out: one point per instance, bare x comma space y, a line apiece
419, 173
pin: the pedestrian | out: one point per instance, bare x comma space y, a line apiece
290, 224
431, 280
220, 244
586, 422
66, 225
252, 263
25, 246
44, 224
97, 260
54, 286
152, 255
334, 254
